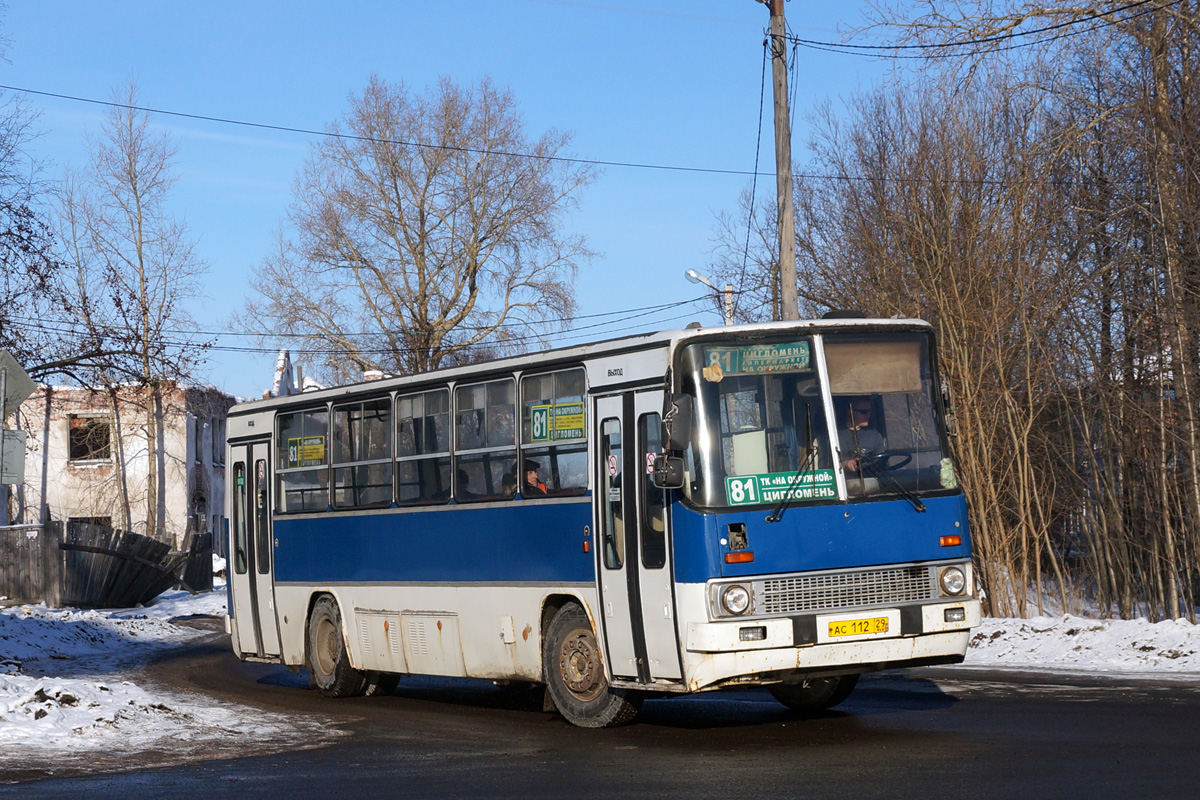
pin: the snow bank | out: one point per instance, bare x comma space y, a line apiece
69, 684
1168, 649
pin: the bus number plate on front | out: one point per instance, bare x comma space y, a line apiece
870, 626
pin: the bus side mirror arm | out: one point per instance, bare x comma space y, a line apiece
677, 422
950, 420
677, 436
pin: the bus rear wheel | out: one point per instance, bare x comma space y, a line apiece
815, 694
574, 672
328, 661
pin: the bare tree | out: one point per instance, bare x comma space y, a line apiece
424, 226
30, 297
1034, 194
133, 267
745, 255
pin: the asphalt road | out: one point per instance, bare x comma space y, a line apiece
919, 734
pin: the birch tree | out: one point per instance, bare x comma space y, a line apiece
134, 267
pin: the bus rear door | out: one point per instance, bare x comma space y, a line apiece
633, 553
251, 551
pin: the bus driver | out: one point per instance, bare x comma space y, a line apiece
859, 435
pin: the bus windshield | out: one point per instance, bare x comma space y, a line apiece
763, 431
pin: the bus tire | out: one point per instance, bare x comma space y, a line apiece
328, 661
574, 672
815, 694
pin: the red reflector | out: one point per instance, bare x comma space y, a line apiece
587, 547
949, 541
740, 557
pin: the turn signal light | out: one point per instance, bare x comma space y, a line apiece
950, 541
739, 557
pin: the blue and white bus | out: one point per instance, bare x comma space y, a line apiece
685, 511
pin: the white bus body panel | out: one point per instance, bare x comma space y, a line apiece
463, 631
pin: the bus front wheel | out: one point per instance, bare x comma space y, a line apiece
574, 672
815, 694
328, 661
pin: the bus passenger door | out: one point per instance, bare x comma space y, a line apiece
636, 605
251, 552
655, 580
614, 506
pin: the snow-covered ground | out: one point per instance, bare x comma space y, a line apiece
70, 683
70, 680
1168, 650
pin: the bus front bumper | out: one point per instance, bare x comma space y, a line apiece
759, 650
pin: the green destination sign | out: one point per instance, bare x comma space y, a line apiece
551, 423
760, 358
773, 487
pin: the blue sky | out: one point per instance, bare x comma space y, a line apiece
640, 81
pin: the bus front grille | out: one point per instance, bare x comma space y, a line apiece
847, 590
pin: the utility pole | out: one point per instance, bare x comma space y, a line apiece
789, 307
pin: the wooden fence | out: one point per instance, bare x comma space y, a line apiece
89, 566
27, 573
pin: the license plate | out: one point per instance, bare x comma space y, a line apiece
869, 626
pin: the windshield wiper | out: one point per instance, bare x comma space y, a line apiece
881, 473
810, 455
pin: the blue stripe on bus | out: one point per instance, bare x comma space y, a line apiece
820, 537
543, 543
535, 542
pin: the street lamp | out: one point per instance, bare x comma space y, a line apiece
696, 277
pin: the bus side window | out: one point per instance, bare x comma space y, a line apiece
240, 544
554, 430
485, 441
362, 454
423, 448
613, 540
653, 499
262, 522
302, 462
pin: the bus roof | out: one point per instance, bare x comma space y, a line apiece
625, 344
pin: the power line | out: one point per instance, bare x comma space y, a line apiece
634, 165
573, 333
629, 313
374, 139
633, 311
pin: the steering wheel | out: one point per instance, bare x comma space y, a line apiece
888, 459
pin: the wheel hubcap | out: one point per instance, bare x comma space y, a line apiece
579, 665
326, 646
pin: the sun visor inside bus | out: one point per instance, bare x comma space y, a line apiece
873, 367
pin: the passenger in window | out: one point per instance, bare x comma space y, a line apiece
464, 486
533, 486
859, 433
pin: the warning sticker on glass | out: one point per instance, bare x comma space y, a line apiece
774, 487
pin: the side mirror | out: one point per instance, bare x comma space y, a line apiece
668, 472
948, 410
677, 422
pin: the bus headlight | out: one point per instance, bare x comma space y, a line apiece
735, 599
953, 581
